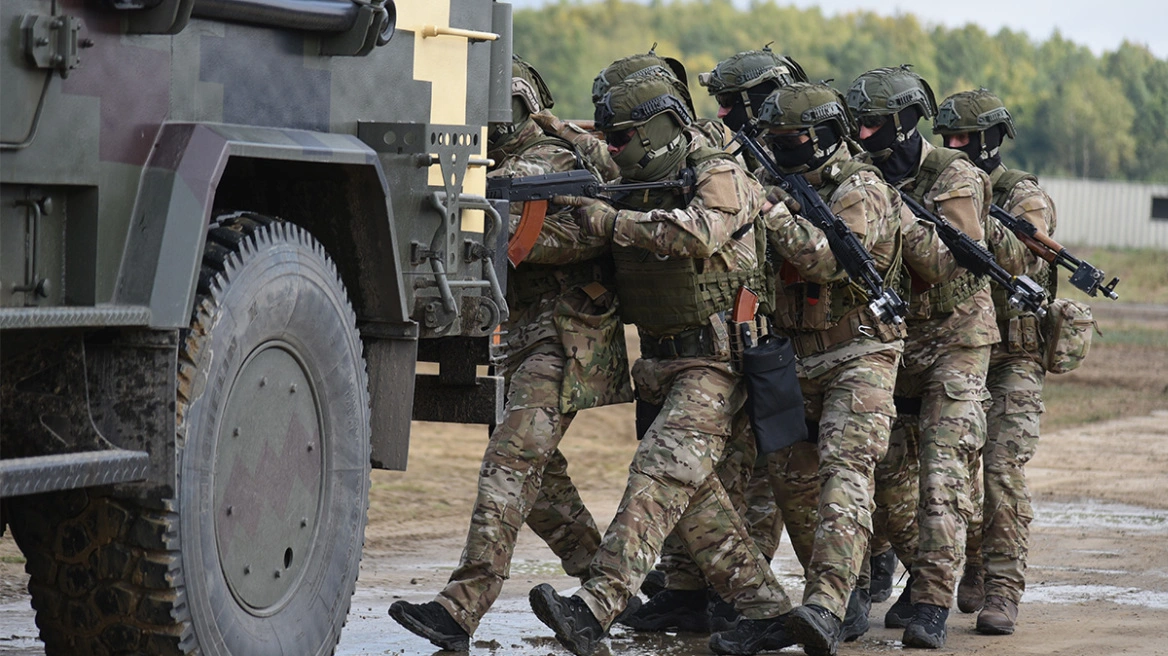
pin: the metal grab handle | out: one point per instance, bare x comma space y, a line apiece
472, 35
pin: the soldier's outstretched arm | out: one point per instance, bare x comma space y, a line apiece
725, 204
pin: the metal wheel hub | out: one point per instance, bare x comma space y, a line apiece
268, 477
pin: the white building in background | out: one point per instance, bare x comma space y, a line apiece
1107, 213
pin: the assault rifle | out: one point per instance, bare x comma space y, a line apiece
1024, 292
535, 191
883, 301
578, 182
1083, 276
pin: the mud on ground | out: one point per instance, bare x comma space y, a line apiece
1098, 578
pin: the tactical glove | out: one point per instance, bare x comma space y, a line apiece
595, 217
776, 195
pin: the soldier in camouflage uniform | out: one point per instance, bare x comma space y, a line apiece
740, 83
951, 328
847, 356
977, 122
681, 255
563, 351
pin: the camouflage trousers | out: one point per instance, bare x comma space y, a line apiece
999, 533
768, 492
672, 486
852, 403
894, 524
951, 430
793, 477
523, 479
734, 468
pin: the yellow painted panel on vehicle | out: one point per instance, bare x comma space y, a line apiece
476, 183
440, 60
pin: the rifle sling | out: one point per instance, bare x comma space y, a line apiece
530, 225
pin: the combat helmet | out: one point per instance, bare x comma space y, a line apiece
794, 110
893, 100
529, 95
647, 63
645, 117
885, 91
747, 74
529, 87
982, 115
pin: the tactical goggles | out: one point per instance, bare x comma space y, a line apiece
787, 140
618, 138
727, 99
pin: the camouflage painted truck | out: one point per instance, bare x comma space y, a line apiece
229, 231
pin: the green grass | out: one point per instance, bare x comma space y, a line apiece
1116, 335
1142, 273
12, 560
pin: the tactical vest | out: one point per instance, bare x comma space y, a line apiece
527, 282
943, 298
820, 317
665, 296
1020, 329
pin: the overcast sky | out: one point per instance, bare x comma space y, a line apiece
1099, 24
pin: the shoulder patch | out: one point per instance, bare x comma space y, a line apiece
959, 192
719, 190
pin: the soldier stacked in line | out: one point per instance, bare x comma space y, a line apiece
900, 431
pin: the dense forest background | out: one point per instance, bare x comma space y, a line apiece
1077, 114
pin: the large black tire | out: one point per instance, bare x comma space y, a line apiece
258, 553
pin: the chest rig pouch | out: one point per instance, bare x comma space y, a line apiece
926, 302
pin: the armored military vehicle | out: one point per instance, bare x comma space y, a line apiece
229, 232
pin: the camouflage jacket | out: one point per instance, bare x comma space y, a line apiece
560, 242
1026, 200
871, 209
726, 200
962, 195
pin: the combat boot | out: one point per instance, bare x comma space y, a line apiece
901, 612
816, 628
653, 584
883, 569
752, 636
723, 615
856, 618
569, 618
672, 610
998, 616
971, 589
927, 628
432, 622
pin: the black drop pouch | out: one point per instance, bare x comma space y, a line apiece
646, 415
774, 401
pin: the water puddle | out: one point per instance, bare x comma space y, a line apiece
1100, 515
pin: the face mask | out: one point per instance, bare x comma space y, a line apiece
792, 156
880, 143
737, 118
636, 161
903, 159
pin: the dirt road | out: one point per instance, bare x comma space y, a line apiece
1098, 577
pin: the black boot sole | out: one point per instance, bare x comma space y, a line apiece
441, 640
805, 633
545, 603
922, 640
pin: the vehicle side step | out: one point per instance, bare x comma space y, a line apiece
69, 471
74, 317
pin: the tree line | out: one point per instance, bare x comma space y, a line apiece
1077, 114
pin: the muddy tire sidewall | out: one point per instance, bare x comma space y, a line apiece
279, 288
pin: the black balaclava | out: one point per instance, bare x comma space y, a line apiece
901, 147
983, 148
792, 159
739, 116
